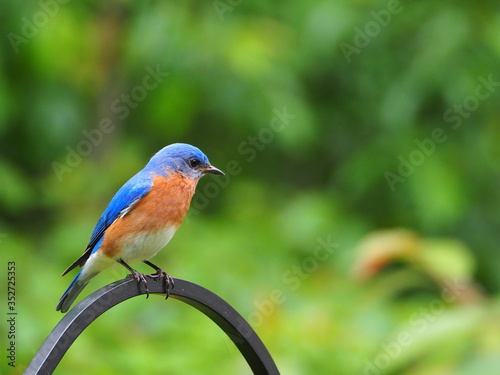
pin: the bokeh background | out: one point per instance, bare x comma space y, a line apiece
357, 227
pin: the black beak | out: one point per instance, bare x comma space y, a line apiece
212, 169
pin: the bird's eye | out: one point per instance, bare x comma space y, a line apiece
193, 162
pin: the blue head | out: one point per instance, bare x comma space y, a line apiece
182, 158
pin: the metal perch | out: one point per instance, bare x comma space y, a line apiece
214, 307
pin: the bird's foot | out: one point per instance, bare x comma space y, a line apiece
141, 280
168, 281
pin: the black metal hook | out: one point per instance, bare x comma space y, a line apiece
83, 314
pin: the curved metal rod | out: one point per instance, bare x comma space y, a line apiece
78, 318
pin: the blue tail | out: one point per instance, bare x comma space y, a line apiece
71, 293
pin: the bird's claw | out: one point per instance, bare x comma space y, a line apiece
141, 280
168, 281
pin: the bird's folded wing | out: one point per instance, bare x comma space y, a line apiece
121, 204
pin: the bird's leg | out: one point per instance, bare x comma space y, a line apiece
136, 275
168, 281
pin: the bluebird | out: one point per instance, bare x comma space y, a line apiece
142, 217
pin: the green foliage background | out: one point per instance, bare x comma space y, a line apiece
365, 87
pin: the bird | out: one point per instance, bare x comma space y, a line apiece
141, 218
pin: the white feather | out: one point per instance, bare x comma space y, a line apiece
144, 246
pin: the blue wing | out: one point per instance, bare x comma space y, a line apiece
123, 201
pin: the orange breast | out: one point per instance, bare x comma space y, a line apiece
165, 205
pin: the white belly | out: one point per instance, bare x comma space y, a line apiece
145, 246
